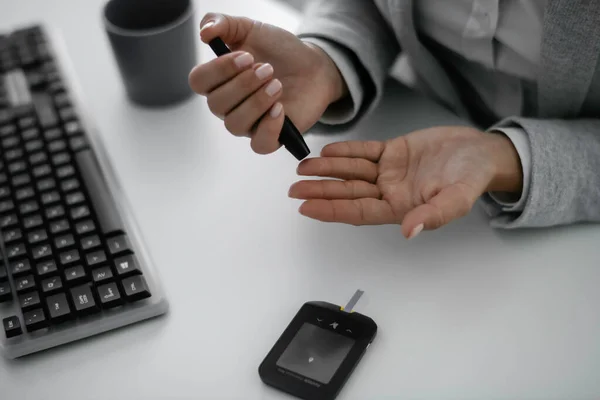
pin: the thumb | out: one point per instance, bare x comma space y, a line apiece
230, 29
450, 203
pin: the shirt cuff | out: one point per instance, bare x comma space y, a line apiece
507, 201
346, 109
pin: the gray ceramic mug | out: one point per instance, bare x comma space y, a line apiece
154, 43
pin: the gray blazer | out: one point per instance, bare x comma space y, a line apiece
564, 129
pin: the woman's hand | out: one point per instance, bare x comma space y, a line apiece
423, 180
269, 73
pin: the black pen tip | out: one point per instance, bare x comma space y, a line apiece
293, 141
298, 147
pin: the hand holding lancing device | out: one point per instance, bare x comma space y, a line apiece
422, 180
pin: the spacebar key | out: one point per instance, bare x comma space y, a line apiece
108, 216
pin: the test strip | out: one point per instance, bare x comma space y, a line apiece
353, 300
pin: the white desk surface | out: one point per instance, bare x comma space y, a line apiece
466, 312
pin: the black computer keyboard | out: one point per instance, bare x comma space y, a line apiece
73, 264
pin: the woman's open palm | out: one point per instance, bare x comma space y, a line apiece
422, 180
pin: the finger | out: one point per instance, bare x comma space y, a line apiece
330, 189
342, 168
242, 118
354, 212
369, 150
204, 78
265, 137
449, 204
229, 95
229, 28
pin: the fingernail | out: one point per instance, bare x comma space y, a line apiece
264, 71
244, 60
273, 87
416, 230
207, 25
276, 109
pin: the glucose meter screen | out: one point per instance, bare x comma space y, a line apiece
315, 353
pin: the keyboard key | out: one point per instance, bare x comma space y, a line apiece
85, 227
25, 284
135, 288
5, 293
29, 207
127, 266
50, 197
3, 273
80, 212
33, 221
57, 146
56, 87
75, 198
58, 307
62, 100
95, 258
26, 122
46, 268
83, 300
59, 226
108, 217
10, 141
21, 267
109, 295
29, 300
24, 193
4, 192
61, 158
69, 257
46, 184
17, 167
65, 171
69, 184
6, 206
55, 212
37, 236
51, 285
64, 241
118, 244
73, 128
35, 320
102, 274
77, 144
12, 326
42, 251
67, 114
90, 242
34, 145
8, 221
21, 180
13, 154
42, 170
7, 130
52, 134
3, 178
5, 115
30, 134
11, 235
74, 275
15, 250
44, 109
